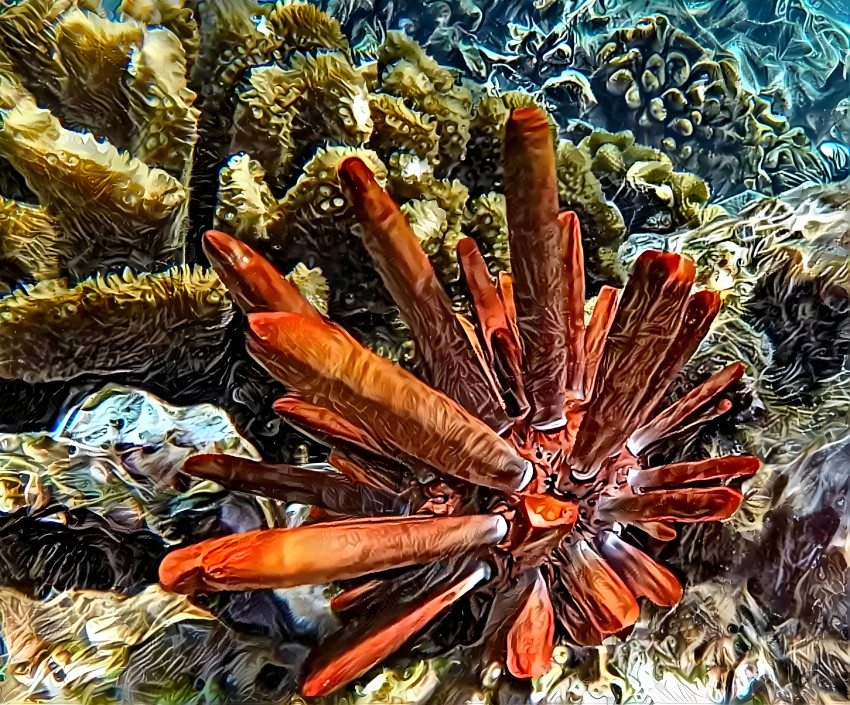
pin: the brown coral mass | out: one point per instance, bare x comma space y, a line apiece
523, 445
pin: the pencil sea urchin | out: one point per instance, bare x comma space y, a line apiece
524, 446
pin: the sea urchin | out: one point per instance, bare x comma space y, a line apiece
524, 449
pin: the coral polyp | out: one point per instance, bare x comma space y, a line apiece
520, 458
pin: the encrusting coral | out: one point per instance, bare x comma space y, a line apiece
573, 402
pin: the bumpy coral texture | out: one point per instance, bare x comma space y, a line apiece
659, 82
93, 196
727, 94
522, 458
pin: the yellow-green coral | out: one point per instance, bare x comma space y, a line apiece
246, 204
312, 285
284, 113
304, 26
175, 15
314, 99
91, 54
397, 127
485, 220
407, 72
161, 104
107, 324
411, 179
422, 123
247, 207
648, 171
29, 243
316, 199
76, 91
431, 224
581, 191
107, 202
243, 33
86, 69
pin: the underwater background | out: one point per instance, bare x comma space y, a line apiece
717, 130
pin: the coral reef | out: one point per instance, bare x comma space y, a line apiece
101, 127
707, 85
87, 513
793, 53
129, 131
53, 331
543, 504
70, 627
775, 640
407, 116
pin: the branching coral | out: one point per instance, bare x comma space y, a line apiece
679, 91
794, 53
413, 117
541, 503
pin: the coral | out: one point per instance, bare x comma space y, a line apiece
59, 645
312, 285
485, 221
114, 323
793, 52
30, 246
614, 185
411, 126
803, 312
242, 115
577, 182
86, 514
574, 403
787, 59
689, 102
76, 90
258, 111
746, 625
407, 72
282, 108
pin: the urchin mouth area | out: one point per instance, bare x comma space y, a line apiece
541, 518
560, 507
